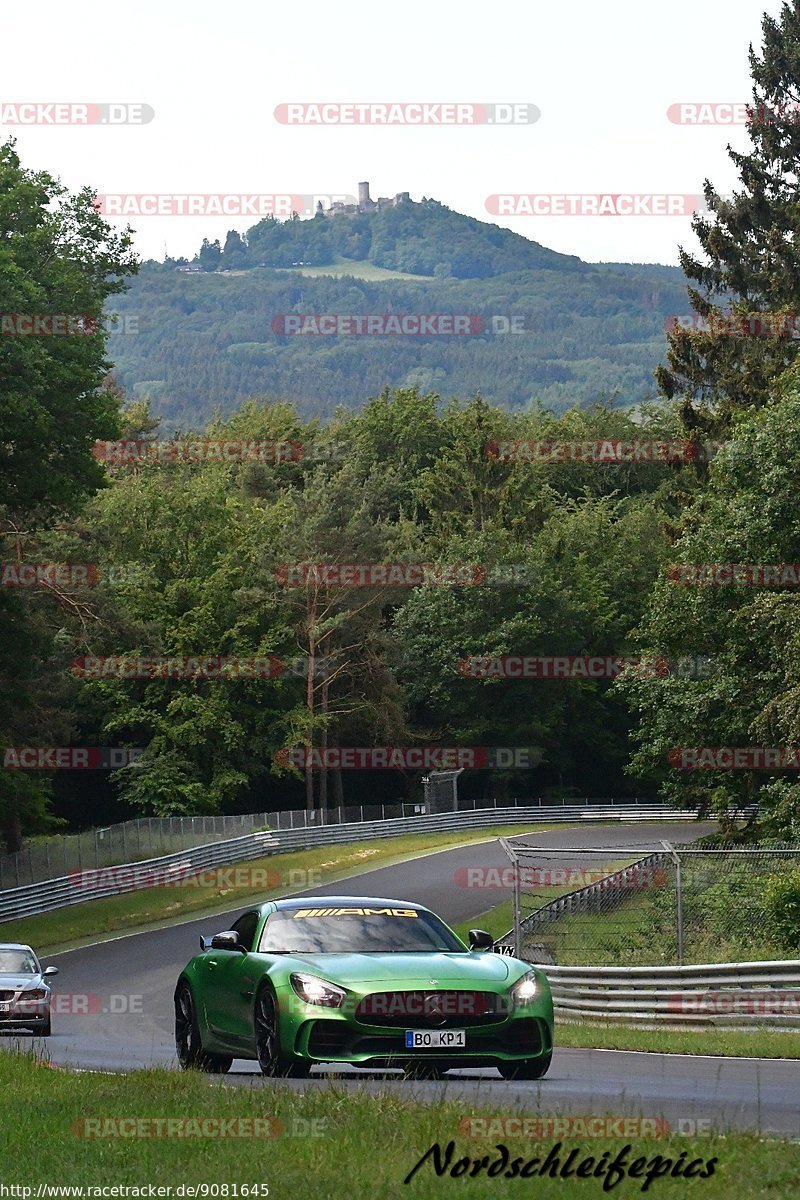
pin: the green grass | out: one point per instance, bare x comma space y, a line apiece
500, 919
744, 1043
359, 269
155, 906
496, 921
364, 1144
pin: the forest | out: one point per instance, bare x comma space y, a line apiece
370, 555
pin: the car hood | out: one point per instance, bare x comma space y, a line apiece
20, 981
479, 970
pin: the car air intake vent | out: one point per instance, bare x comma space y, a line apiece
430, 1010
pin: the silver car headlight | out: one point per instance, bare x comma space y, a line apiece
313, 990
32, 999
525, 990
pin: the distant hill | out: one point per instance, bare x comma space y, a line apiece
422, 239
207, 334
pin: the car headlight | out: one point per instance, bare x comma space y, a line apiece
31, 998
525, 990
314, 990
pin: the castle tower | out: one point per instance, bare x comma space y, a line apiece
364, 200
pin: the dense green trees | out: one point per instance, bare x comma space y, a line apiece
750, 630
411, 237
59, 264
569, 550
205, 341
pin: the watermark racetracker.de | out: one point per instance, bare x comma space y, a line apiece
48, 113
595, 204
435, 113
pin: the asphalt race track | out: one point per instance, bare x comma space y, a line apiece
138, 972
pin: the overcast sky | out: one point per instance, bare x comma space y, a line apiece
602, 74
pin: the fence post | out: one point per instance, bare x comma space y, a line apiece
517, 920
678, 898
679, 907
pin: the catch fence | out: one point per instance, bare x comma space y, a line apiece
676, 905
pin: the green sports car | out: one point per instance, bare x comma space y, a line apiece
373, 983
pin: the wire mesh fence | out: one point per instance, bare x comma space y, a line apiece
646, 906
149, 837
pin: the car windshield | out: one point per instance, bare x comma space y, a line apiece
367, 930
17, 962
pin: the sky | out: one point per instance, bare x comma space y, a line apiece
602, 76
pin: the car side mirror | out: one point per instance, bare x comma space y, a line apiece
479, 939
50, 971
229, 940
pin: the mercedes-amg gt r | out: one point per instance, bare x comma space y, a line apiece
374, 983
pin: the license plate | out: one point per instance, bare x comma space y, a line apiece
436, 1039
5, 1007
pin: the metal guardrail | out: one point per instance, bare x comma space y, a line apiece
80, 886
143, 838
727, 994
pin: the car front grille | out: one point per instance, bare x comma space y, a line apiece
431, 1009
5, 994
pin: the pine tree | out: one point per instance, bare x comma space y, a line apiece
751, 256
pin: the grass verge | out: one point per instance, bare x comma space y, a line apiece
328, 1141
742, 1043
204, 895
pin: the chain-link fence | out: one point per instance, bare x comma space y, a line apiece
441, 791
150, 837
644, 905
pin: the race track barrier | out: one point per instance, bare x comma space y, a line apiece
101, 882
726, 994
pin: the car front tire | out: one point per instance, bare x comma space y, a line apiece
188, 1044
526, 1068
267, 1039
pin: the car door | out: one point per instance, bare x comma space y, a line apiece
229, 987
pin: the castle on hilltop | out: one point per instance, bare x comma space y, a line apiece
365, 203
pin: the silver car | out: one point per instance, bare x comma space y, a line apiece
24, 994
